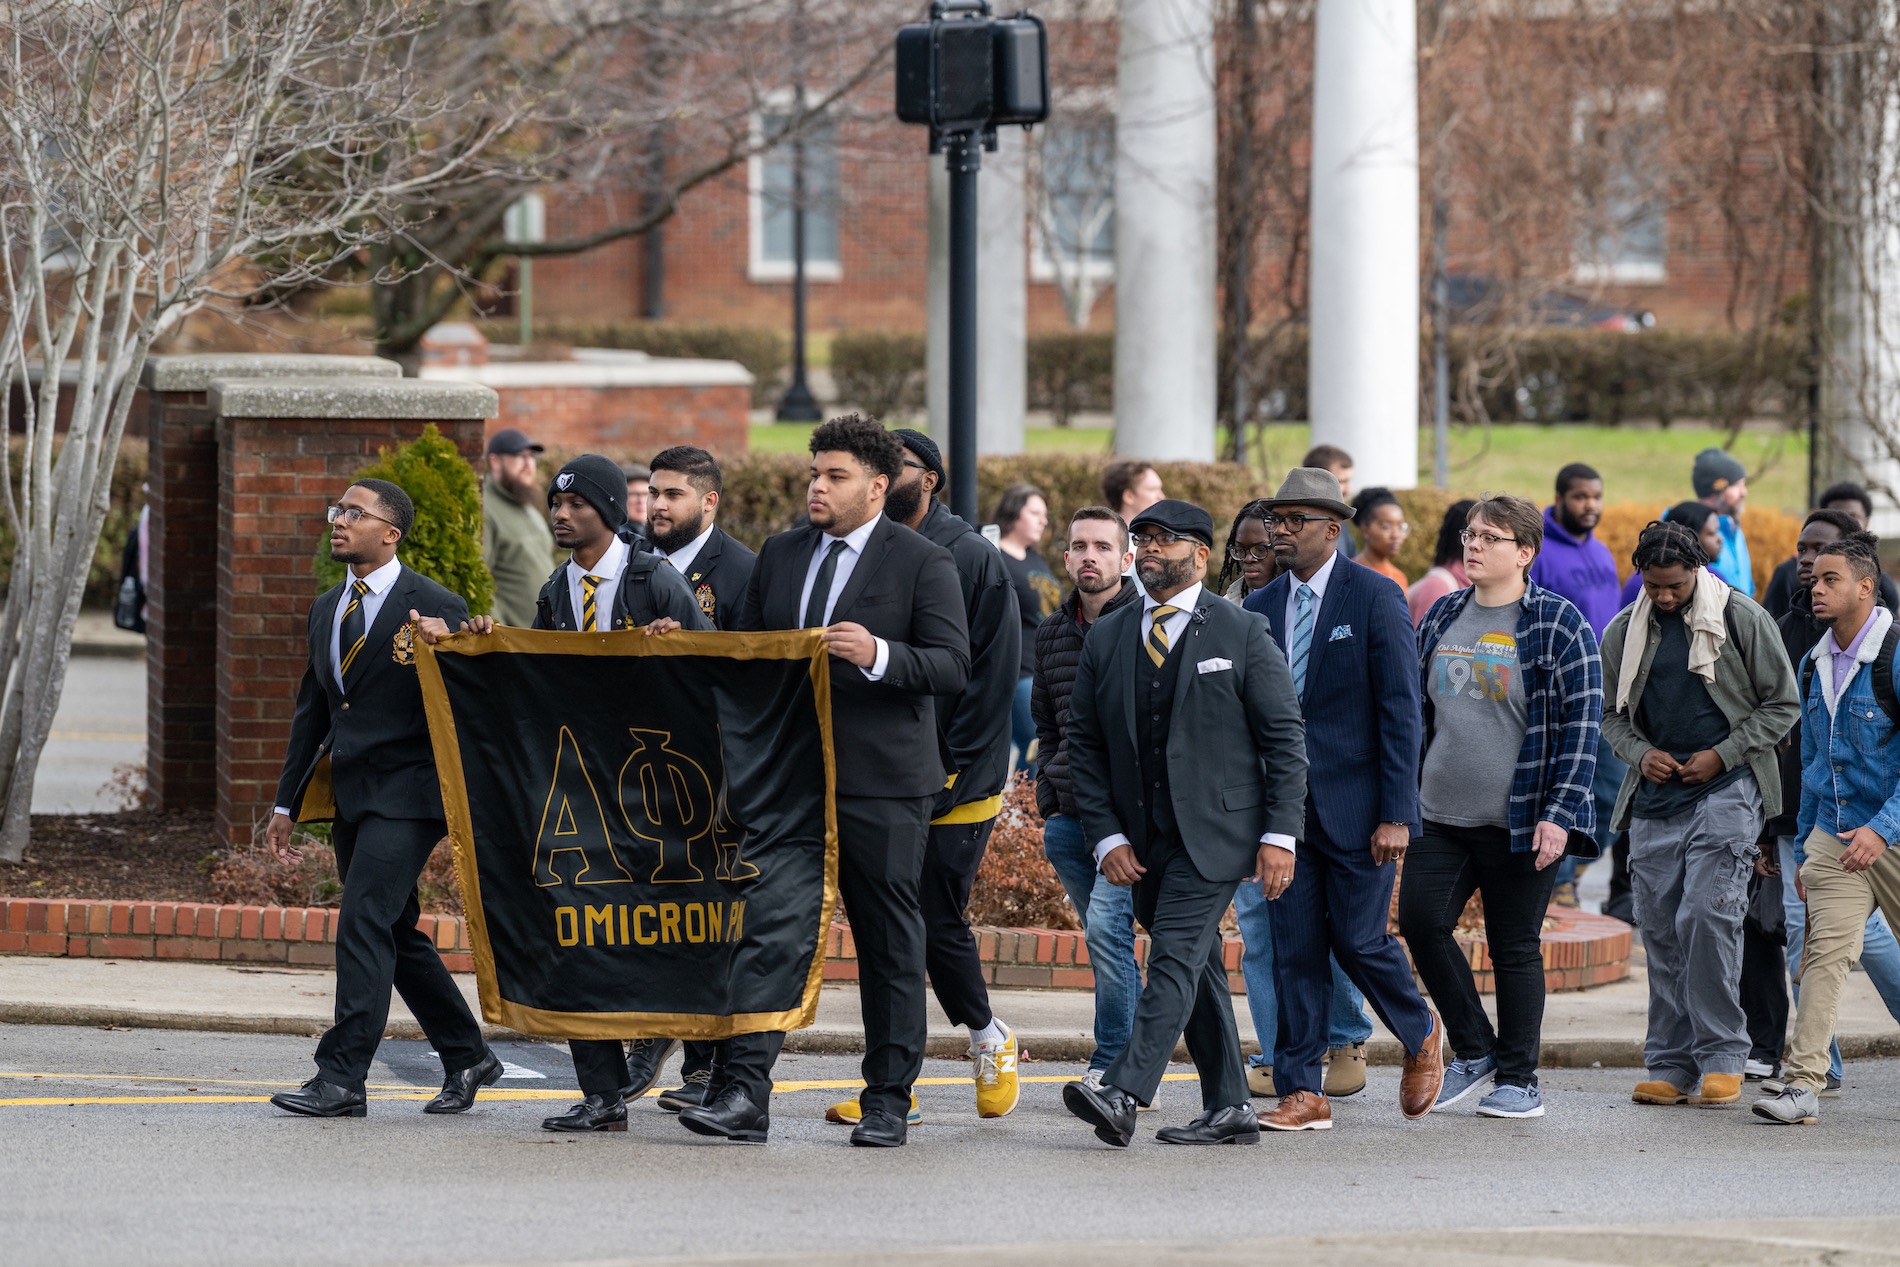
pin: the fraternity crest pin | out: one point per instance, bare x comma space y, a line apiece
706, 601
403, 649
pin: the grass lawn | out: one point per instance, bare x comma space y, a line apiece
1638, 464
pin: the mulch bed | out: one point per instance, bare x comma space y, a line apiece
138, 855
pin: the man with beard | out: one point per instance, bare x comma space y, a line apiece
1575, 565
516, 543
684, 489
1189, 769
891, 613
359, 726
973, 731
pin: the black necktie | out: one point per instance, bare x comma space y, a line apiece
354, 632
821, 587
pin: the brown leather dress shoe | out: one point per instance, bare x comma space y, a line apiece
1424, 1074
1301, 1111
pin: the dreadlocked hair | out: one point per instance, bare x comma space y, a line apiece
1665, 544
1862, 552
1229, 569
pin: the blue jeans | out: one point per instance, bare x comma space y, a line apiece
1022, 733
1879, 953
1347, 1024
1108, 920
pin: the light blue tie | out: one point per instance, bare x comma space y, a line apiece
1302, 640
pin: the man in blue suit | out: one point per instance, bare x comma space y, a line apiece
1348, 640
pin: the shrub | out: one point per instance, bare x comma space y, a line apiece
252, 876
764, 352
1771, 536
446, 543
1016, 887
881, 374
1070, 372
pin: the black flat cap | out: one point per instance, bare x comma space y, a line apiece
1184, 519
509, 440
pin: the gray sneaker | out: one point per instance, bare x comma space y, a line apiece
1462, 1077
1833, 1088
1512, 1101
1795, 1106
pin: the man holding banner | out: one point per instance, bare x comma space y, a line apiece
891, 609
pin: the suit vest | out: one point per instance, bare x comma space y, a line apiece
1154, 721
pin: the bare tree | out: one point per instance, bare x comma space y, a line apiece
156, 156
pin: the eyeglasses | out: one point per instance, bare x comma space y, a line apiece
1485, 539
1157, 540
1249, 554
352, 515
915, 466
1293, 525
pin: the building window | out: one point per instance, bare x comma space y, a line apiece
772, 256
1072, 234
1622, 188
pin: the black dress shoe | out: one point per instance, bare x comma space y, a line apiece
644, 1061
595, 1113
459, 1088
1236, 1124
730, 1115
1110, 1110
690, 1093
879, 1129
317, 1098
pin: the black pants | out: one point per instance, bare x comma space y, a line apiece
378, 946
880, 861
952, 854
1186, 994
1764, 991
1442, 870
1621, 903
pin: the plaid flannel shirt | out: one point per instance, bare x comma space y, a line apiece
1563, 705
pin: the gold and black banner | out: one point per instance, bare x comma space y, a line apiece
643, 827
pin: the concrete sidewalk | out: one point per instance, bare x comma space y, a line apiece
1581, 1028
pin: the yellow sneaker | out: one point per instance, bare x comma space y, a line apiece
996, 1089
1718, 1090
850, 1113
1658, 1092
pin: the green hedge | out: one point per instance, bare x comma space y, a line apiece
766, 353
881, 374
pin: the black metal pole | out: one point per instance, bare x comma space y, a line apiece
964, 157
798, 404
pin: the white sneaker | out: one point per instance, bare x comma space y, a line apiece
1756, 1070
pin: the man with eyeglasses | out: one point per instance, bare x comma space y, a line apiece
1348, 640
359, 755
1188, 767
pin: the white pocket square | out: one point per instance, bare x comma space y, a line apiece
1215, 665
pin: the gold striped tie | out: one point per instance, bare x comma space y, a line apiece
1157, 636
589, 584
354, 631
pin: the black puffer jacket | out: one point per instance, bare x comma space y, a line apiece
1058, 652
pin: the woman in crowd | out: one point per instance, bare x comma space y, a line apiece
1705, 522
1247, 562
1512, 691
1382, 531
1022, 517
1448, 563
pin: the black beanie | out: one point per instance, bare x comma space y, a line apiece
927, 452
597, 482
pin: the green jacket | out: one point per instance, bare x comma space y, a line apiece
1754, 687
518, 546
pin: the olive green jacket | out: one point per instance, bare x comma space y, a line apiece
518, 546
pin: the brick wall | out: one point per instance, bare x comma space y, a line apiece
626, 423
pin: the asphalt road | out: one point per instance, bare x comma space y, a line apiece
155, 1147
100, 726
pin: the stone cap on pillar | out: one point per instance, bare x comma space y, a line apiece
392, 398
193, 373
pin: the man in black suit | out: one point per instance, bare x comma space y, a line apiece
1188, 757
359, 728
682, 505
892, 615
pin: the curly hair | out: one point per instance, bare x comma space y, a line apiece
1862, 552
1229, 570
1667, 544
1368, 502
864, 439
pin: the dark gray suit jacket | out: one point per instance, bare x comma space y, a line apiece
1236, 747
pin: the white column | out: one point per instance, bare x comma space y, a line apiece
1365, 265
1164, 231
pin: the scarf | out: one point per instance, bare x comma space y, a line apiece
1707, 632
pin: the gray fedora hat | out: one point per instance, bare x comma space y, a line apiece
1311, 486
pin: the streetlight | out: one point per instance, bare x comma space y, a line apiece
798, 404
963, 73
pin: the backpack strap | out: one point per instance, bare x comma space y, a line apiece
1883, 680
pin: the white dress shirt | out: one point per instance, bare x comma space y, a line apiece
1318, 586
1175, 626
682, 558
608, 568
847, 563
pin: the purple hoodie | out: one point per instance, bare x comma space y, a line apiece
1579, 568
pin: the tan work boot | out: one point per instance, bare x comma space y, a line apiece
1345, 1071
1658, 1092
1718, 1090
1260, 1080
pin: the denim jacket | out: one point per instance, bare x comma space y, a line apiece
1850, 772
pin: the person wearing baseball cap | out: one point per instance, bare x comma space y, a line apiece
516, 543
1721, 483
1188, 760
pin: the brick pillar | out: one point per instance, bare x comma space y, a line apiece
286, 449
182, 588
